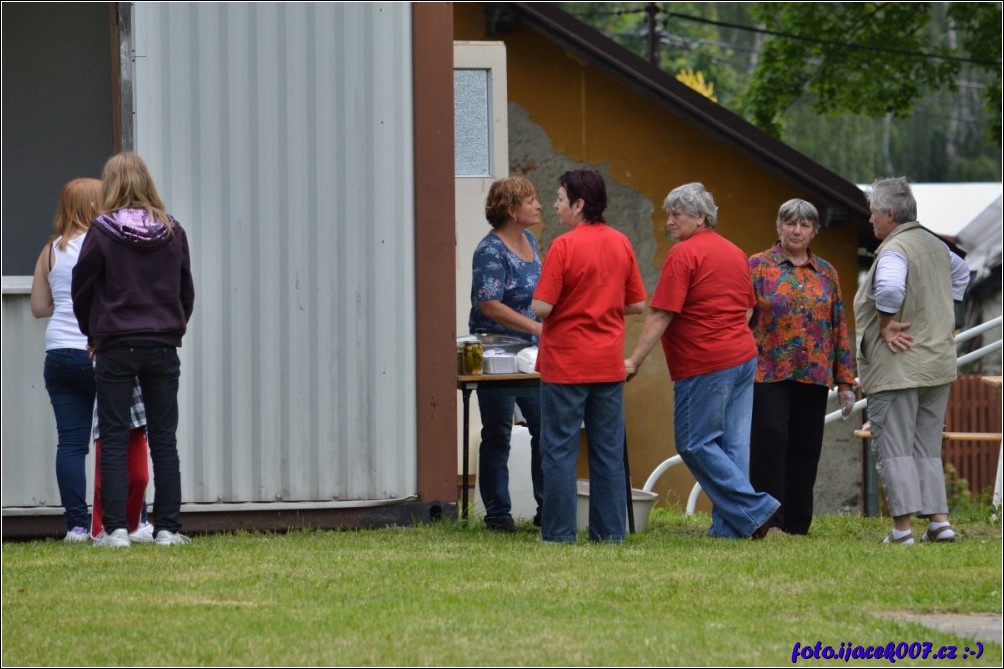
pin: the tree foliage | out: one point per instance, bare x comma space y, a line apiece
847, 84
870, 58
979, 26
724, 58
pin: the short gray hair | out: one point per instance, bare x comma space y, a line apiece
798, 210
692, 199
894, 193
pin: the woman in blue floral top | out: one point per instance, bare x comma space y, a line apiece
803, 351
506, 270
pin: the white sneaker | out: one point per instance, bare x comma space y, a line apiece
168, 538
143, 534
76, 536
117, 539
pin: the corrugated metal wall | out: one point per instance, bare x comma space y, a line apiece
280, 136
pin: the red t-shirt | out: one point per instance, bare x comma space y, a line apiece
706, 283
589, 274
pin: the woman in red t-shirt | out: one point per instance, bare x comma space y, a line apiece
589, 280
701, 310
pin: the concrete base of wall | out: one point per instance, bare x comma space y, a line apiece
838, 480
45, 524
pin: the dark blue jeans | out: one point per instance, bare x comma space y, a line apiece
497, 407
69, 380
158, 369
564, 408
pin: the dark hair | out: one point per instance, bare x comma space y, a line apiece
588, 186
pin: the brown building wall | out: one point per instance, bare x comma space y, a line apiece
567, 114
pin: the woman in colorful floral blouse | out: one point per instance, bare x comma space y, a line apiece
804, 350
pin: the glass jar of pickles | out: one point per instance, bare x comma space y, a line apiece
470, 355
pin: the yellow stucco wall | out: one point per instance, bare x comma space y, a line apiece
590, 116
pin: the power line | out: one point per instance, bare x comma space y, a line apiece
802, 38
609, 12
847, 45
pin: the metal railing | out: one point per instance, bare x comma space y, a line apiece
671, 462
964, 360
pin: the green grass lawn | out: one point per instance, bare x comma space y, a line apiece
448, 594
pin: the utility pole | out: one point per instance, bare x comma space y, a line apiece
653, 36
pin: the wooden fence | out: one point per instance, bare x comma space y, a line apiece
973, 407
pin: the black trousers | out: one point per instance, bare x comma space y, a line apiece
785, 442
158, 369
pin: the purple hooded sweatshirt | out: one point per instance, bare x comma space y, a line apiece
133, 281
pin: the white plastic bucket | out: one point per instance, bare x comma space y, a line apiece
642, 502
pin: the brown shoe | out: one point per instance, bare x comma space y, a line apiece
943, 534
906, 540
768, 529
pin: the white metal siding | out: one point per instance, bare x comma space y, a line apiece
29, 430
280, 136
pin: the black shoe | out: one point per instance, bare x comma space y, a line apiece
505, 524
537, 519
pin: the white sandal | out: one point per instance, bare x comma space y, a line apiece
906, 540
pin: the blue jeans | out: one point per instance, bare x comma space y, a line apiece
69, 380
564, 407
158, 369
497, 407
712, 422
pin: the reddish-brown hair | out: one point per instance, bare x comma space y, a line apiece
78, 205
504, 196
